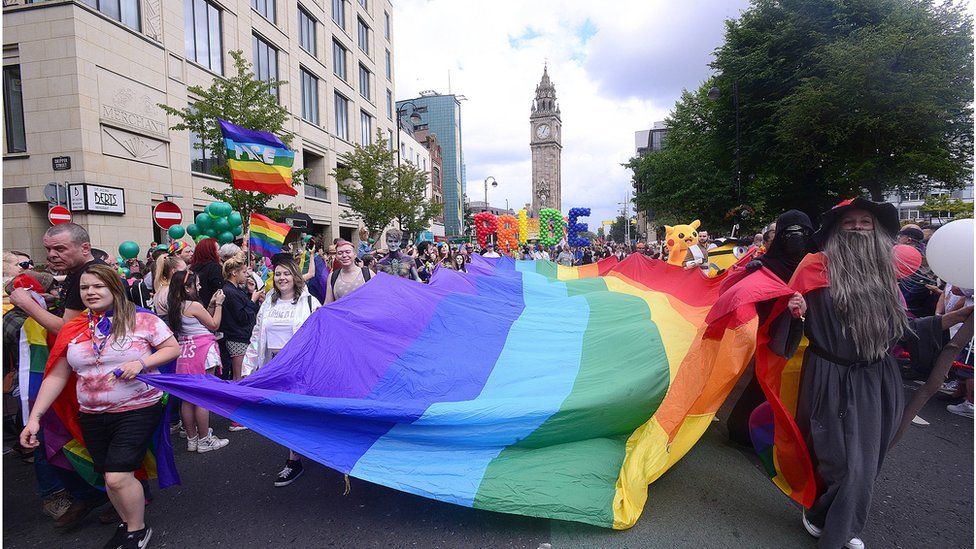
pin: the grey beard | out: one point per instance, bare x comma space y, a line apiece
865, 291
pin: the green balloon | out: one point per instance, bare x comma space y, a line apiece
128, 249
223, 209
235, 218
221, 224
236, 230
176, 232
204, 221
192, 230
211, 232
225, 237
199, 238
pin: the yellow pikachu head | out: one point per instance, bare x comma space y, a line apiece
679, 238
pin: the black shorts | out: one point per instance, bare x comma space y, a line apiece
118, 442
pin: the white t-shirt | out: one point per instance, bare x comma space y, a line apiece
278, 324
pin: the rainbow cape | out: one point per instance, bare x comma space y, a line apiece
520, 386
258, 161
63, 439
265, 236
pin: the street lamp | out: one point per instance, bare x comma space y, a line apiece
415, 120
714, 94
493, 184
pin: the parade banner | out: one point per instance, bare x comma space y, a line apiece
258, 161
587, 385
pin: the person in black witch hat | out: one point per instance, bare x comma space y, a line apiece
851, 400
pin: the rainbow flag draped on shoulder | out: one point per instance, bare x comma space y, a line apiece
519, 387
258, 161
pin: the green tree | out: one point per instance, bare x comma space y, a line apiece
243, 100
599, 232
379, 191
618, 229
467, 218
946, 208
415, 211
838, 97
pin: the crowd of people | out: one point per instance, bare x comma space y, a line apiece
218, 310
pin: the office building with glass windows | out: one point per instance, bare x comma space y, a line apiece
440, 115
83, 78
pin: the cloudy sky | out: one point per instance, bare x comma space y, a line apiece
616, 71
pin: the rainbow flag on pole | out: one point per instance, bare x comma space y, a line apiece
266, 236
258, 161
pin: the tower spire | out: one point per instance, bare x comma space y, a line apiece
545, 94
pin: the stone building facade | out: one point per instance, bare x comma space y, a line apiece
85, 78
545, 124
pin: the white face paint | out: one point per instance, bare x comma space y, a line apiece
392, 243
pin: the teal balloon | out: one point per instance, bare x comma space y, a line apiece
120, 261
128, 249
222, 209
221, 224
176, 232
125, 271
236, 230
192, 230
204, 221
225, 237
235, 218
211, 232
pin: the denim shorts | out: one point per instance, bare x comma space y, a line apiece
118, 442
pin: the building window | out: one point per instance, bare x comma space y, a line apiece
389, 143
266, 8
386, 24
123, 11
306, 31
389, 104
13, 110
310, 97
364, 88
315, 176
366, 125
364, 4
339, 13
342, 117
363, 36
389, 65
201, 160
265, 62
202, 34
339, 59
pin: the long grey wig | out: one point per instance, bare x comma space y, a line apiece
864, 289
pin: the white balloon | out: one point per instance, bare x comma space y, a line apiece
950, 253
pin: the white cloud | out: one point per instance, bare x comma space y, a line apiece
615, 71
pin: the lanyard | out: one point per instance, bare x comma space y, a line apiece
97, 348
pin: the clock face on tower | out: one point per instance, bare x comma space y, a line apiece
542, 131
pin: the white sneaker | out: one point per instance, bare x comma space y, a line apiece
949, 387
964, 408
855, 543
192, 444
210, 442
811, 529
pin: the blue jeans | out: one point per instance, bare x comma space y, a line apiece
48, 480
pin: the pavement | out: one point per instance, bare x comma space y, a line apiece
717, 496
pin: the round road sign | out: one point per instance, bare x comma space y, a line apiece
58, 215
166, 214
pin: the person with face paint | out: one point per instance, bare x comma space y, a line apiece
395, 262
850, 396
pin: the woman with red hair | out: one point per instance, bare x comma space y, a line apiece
206, 265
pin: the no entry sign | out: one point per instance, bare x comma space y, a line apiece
58, 215
166, 214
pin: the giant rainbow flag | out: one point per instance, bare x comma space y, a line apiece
519, 387
258, 161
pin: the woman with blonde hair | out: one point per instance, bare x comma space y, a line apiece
110, 340
162, 274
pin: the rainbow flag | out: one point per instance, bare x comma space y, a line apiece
519, 387
258, 161
266, 237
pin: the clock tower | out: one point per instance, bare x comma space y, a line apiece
546, 143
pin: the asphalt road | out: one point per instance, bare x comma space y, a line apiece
717, 496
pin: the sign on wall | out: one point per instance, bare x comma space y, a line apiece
85, 197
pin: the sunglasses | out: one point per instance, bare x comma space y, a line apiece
25, 264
